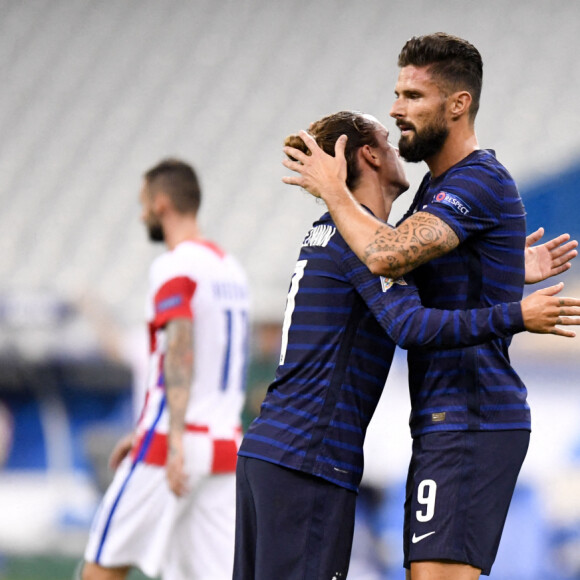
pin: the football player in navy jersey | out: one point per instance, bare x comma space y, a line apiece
464, 238
301, 460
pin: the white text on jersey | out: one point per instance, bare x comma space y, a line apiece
319, 236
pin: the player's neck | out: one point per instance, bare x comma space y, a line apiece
370, 195
180, 230
458, 146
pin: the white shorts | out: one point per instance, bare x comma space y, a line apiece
141, 523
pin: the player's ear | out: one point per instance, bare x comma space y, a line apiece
370, 155
459, 104
160, 202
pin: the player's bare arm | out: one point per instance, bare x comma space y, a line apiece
385, 251
550, 258
393, 252
178, 375
543, 312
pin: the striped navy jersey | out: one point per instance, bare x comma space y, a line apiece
336, 355
473, 388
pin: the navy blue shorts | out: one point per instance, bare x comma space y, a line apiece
459, 488
290, 524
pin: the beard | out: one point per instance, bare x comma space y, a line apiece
426, 143
155, 232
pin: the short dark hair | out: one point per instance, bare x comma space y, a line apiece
452, 60
178, 180
359, 129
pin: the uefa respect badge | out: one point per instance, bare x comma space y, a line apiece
453, 201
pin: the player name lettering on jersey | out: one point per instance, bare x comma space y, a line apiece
319, 236
229, 290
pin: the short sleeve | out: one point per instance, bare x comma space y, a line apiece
173, 300
468, 201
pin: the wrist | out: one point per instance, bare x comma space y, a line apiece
335, 192
175, 437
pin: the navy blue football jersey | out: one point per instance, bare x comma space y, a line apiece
472, 388
339, 334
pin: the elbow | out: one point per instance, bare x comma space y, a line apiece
380, 268
386, 270
375, 268
385, 264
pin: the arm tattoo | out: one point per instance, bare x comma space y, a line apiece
420, 238
178, 369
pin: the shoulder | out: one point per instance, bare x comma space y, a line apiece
481, 169
478, 181
188, 259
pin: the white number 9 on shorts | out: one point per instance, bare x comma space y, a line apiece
426, 493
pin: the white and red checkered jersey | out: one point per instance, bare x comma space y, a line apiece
199, 281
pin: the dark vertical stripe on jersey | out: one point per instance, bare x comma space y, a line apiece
142, 452
336, 382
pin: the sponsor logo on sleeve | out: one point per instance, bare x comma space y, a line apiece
453, 201
170, 302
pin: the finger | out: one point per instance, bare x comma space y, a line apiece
293, 180
551, 290
534, 237
562, 257
557, 241
340, 146
563, 332
563, 249
293, 165
308, 139
182, 485
568, 318
295, 154
560, 269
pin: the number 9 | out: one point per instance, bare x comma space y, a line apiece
426, 493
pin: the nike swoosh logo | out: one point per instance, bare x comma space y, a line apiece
416, 539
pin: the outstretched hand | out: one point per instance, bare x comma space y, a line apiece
550, 258
542, 311
318, 173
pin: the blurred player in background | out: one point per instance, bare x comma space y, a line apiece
465, 232
301, 460
170, 509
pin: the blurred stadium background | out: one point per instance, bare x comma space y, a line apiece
95, 92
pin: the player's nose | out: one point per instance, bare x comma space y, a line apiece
396, 109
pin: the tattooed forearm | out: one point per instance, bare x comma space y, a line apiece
422, 237
178, 370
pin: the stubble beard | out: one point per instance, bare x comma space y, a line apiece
423, 145
155, 233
